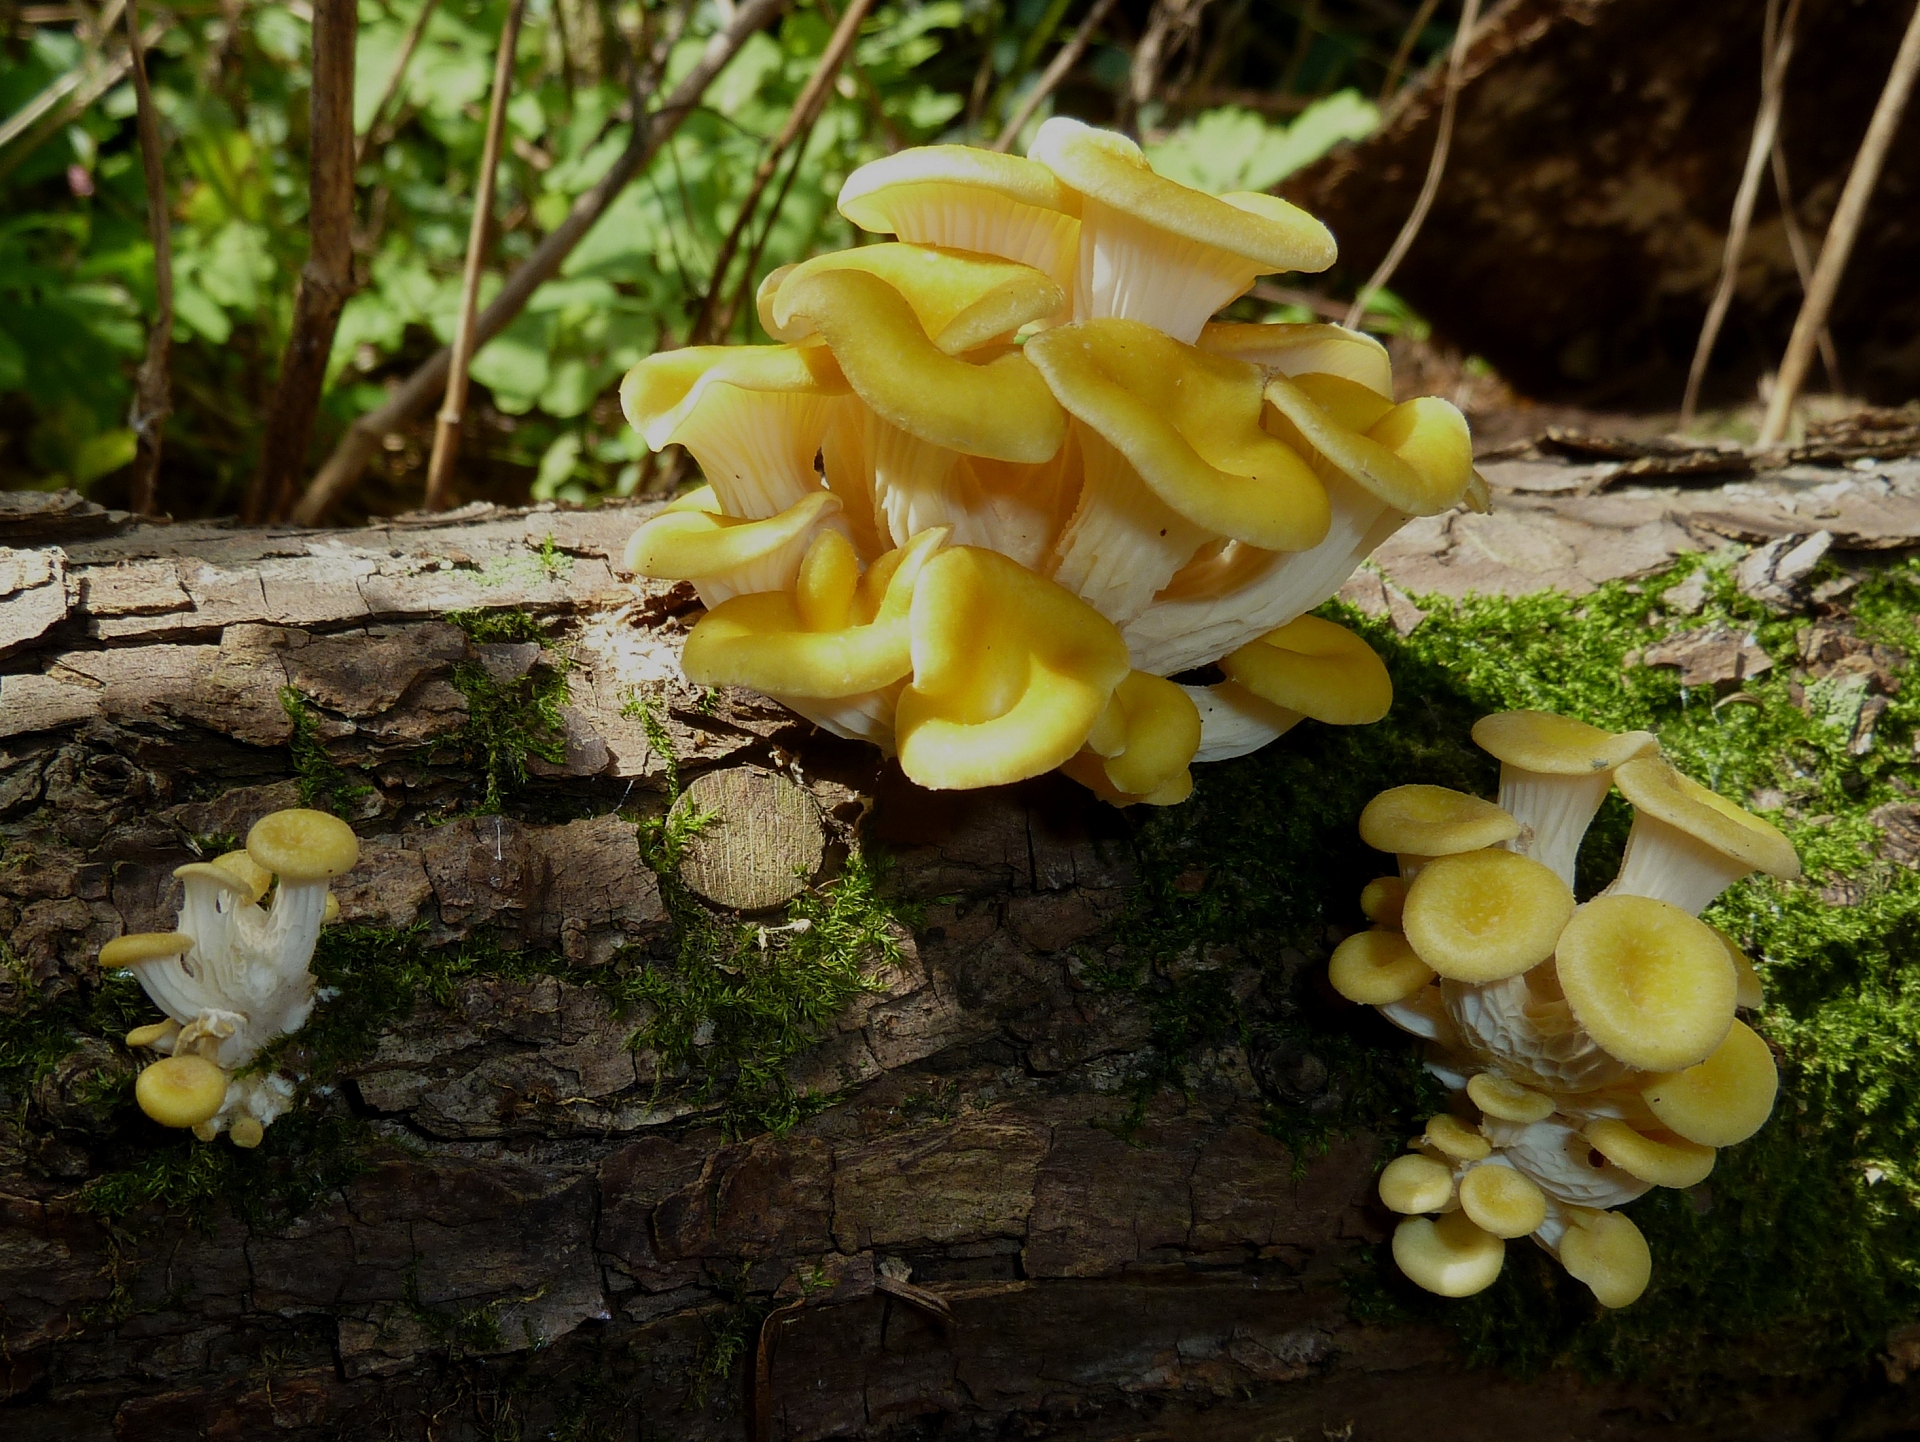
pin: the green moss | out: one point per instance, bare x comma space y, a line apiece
37, 1029
514, 626
508, 721
322, 782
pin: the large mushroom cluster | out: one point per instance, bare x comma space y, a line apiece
1593, 1050
233, 974
1000, 478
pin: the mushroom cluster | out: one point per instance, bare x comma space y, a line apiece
233, 976
1593, 1050
1002, 500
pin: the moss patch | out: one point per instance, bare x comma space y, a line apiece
509, 721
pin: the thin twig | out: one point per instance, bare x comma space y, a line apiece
800, 116
23, 119
650, 132
1842, 232
153, 389
1774, 57
743, 292
1803, 260
394, 82
1401, 56
326, 280
1436, 167
446, 430
1064, 60
1168, 25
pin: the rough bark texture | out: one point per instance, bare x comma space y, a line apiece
1578, 232
545, 1243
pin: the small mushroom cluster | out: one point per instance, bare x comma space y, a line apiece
1593, 1050
233, 976
1000, 478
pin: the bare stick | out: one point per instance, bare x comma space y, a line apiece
23, 119
1842, 232
394, 81
1064, 60
1775, 55
650, 132
1436, 167
446, 430
801, 114
1803, 260
327, 278
153, 389
1405, 53
724, 323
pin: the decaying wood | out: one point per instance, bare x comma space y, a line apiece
153, 386
326, 281
763, 839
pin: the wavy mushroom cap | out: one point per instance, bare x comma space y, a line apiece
143, 946
257, 879
1508, 1100
1649, 983
1383, 900
837, 634
659, 395
1411, 1184
219, 876
154, 1033
1607, 1252
1450, 1256
1479, 916
1557, 745
1189, 425
1723, 1100
1010, 673
683, 543
1317, 668
1417, 456
1001, 408
1147, 737
181, 1091
962, 301
971, 199
1433, 821
1309, 349
1671, 1161
1689, 843
1502, 1201
1377, 968
301, 845
1454, 1138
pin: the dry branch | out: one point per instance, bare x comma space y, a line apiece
326, 281
1068, 56
650, 132
1405, 51
1803, 260
153, 388
446, 431
1842, 231
394, 81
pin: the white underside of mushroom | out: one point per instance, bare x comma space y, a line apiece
1667, 864
1557, 1157
755, 448
987, 223
1138, 271
264, 1096
1123, 543
776, 570
1424, 1015
1235, 722
1533, 1039
1554, 813
867, 717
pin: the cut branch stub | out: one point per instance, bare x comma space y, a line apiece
764, 840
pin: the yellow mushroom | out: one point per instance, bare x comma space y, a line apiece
1502, 1201
1235, 722
1479, 916
1152, 250
181, 1091
1456, 1139
1688, 844
246, 1132
1010, 673
1607, 1252
1412, 1184
1317, 668
724, 556
1417, 823
1450, 1256
139, 947
1554, 773
243, 868
1508, 1100
1141, 746
158, 1035
1720, 1101
1383, 899
1751, 993
961, 301
1377, 968
1669, 1161
1305, 349
1648, 982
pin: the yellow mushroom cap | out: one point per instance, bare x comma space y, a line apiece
1377, 968
330, 913
221, 876
153, 1032
1309, 349
869, 196
257, 878
1557, 745
142, 946
1010, 673
1606, 1251
1317, 668
1502, 1201
1111, 169
1654, 787
303, 845
181, 1091
1508, 1100
1479, 916
1433, 821
961, 301
246, 1132
1147, 736
1723, 1100
1456, 1138
1001, 409
1382, 900
1751, 993
1189, 424
1649, 983
684, 544
1669, 1162
659, 395
1412, 1183
1449, 1256
1416, 456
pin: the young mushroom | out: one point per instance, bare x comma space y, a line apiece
1648, 982
724, 556
1723, 1100
1479, 916
1141, 746
1607, 1252
1418, 823
1688, 844
1305, 349
1554, 773
1450, 1256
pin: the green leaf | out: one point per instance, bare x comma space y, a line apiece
103, 454
557, 465
1235, 149
13, 363
514, 364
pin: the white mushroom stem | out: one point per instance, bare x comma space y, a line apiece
1534, 1037
1667, 864
756, 448
1554, 813
1235, 722
280, 943
1139, 271
1123, 543
1560, 1160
